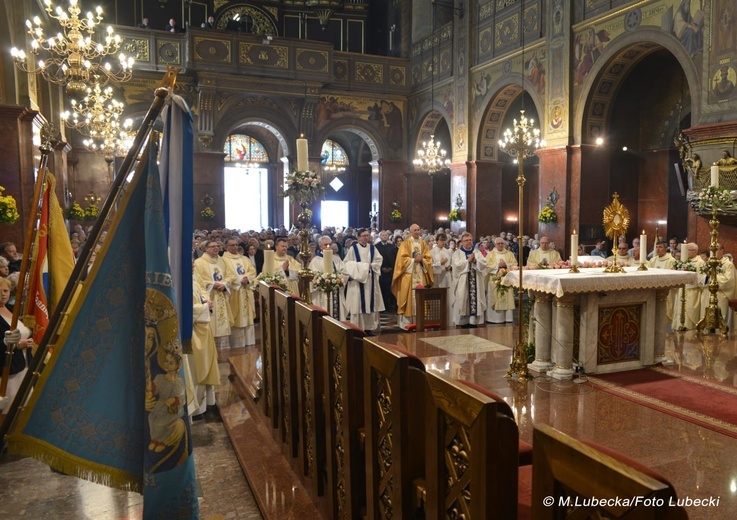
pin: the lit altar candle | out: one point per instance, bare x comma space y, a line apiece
684, 251
715, 176
302, 164
327, 260
574, 248
268, 261
643, 247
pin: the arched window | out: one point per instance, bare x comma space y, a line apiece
333, 157
244, 151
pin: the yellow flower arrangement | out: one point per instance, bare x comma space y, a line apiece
207, 214
8, 208
454, 215
75, 212
91, 212
547, 214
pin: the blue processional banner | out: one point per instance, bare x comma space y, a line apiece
110, 404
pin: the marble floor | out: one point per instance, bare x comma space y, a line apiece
29, 489
699, 462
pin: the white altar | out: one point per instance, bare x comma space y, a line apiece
622, 317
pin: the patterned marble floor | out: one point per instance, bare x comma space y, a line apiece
29, 489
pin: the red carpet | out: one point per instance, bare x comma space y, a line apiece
699, 401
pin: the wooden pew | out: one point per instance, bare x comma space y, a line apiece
566, 467
286, 356
311, 393
394, 390
343, 367
472, 460
267, 323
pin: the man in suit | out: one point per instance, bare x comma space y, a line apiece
389, 256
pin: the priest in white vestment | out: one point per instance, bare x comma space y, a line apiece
470, 294
662, 259
216, 278
363, 301
500, 302
242, 304
544, 255
442, 261
286, 265
203, 362
335, 304
692, 315
725, 279
623, 257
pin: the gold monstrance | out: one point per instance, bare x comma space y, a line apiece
616, 221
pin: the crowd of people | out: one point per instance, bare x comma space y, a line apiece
381, 271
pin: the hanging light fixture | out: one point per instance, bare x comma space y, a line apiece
70, 58
93, 114
111, 141
431, 157
521, 141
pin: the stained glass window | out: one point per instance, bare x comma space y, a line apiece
243, 149
333, 156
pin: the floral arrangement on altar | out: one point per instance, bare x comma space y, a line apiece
717, 197
304, 186
328, 282
684, 265
75, 212
91, 212
207, 214
8, 208
496, 280
454, 215
547, 214
271, 279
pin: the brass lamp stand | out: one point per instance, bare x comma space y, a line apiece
520, 142
713, 320
304, 219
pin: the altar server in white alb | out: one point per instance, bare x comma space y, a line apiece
325, 258
242, 332
362, 293
692, 315
500, 302
725, 279
469, 266
442, 262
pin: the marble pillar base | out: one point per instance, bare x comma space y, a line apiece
540, 366
561, 374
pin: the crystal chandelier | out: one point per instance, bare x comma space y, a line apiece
112, 141
522, 141
431, 158
97, 111
70, 58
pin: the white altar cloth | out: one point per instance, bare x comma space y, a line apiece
590, 290
560, 281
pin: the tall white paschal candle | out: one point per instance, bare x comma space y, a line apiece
327, 261
268, 261
684, 251
574, 248
643, 247
302, 162
715, 176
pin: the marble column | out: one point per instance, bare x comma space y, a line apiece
562, 347
543, 331
661, 298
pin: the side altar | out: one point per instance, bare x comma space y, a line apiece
619, 319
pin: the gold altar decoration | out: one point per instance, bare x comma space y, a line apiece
713, 320
616, 221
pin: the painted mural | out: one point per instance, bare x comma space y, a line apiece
684, 19
722, 62
385, 114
